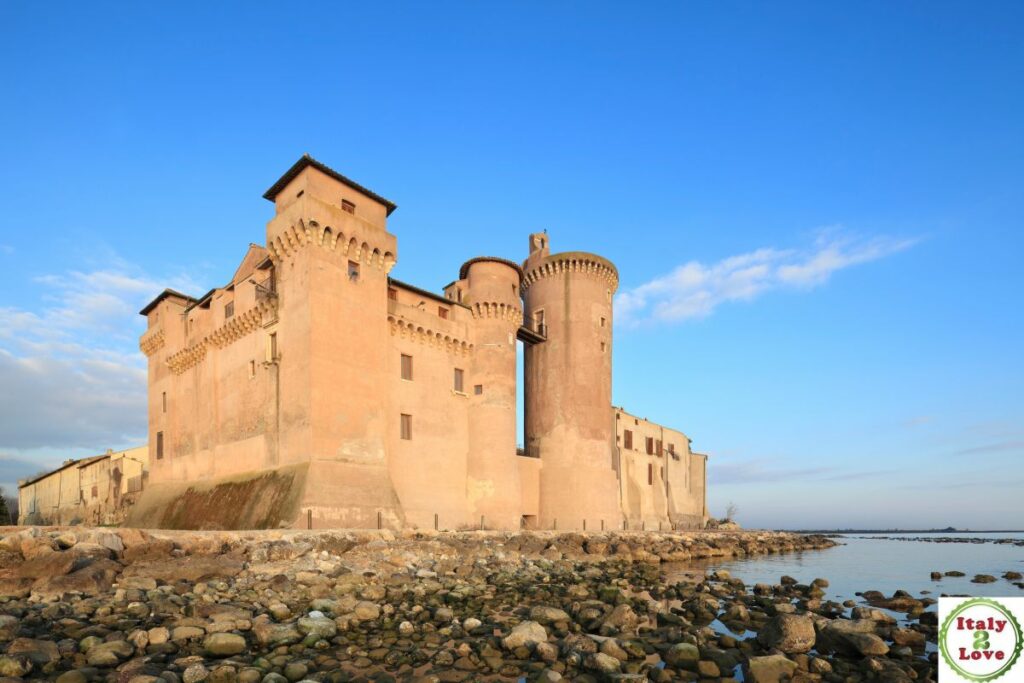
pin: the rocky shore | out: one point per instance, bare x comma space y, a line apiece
125, 605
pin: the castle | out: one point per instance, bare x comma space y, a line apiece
314, 390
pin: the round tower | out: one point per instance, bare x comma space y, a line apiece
493, 295
568, 377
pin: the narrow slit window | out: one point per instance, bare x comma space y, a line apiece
163, 402
347, 206
252, 369
459, 375
353, 271
650, 474
406, 427
272, 347
159, 445
406, 367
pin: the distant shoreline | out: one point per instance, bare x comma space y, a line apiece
905, 531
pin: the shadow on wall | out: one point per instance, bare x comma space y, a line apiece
267, 500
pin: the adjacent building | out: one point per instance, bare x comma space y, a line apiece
94, 490
315, 389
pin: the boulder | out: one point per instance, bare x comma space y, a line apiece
543, 614
769, 669
527, 633
225, 644
789, 633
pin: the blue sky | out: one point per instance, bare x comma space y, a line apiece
815, 209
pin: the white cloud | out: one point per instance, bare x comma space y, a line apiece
695, 290
71, 371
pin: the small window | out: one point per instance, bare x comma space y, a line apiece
229, 309
406, 427
300, 193
671, 449
252, 369
603, 347
650, 445
347, 206
603, 321
660, 451
353, 270
650, 474
458, 379
392, 293
478, 389
406, 367
95, 491
163, 402
159, 445
662, 474
442, 312
627, 437
272, 347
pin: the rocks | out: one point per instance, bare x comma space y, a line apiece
225, 644
318, 627
15, 666
543, 614
769, 669
271, 607
789, 633
525, 634
983, 578
682, 656
109, 654
1013, 576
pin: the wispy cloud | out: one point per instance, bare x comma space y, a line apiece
762, 470
997, 447
71, 372
695, 290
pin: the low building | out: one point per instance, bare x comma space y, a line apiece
313, 389
94, 490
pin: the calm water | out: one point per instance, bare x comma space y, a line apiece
868, 562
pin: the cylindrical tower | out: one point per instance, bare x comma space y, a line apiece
568, 377
492, 484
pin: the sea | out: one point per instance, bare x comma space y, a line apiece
888, 562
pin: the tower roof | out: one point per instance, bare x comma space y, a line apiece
305, 161
464, 270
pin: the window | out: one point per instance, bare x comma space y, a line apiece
159, 445
603, 346
272, 347
442, 312
603, 321
406, 367
671, 449
392, 293
252, 369
650, 445
407, 427
662, 474
627, 440
458, 379
658, 444
478, 389
95, 491
347, 206
650, 474
353, 271
229, 309
300, 193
